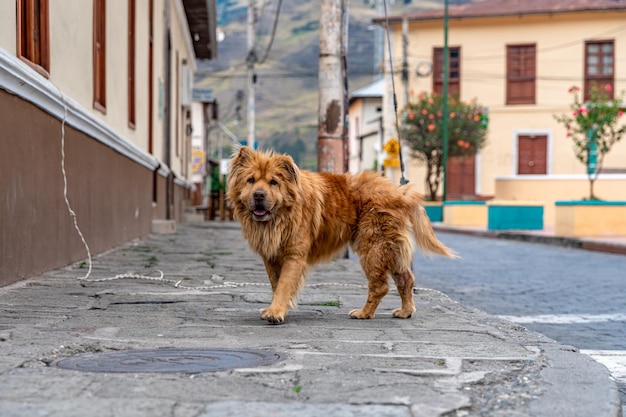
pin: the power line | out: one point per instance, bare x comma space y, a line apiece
271, 42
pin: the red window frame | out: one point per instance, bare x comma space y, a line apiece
99, 55
521, 68
454, 65
131, 63
33, 34
599, 67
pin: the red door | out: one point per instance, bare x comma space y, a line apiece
532, 154
461, 178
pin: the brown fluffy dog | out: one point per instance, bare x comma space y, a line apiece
295, 218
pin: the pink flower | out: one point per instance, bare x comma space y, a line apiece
608, 88
619, 113
573, 88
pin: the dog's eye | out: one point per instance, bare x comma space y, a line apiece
273, 182
251, 180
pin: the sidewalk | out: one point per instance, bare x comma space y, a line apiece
607, 243
447, 360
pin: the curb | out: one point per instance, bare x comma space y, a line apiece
567, 242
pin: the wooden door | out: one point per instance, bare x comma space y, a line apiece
461, 177
532, 154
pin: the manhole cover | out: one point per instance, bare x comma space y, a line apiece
170, 360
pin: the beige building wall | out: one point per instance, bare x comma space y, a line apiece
71, 50
363, 114
8, 27
559, 40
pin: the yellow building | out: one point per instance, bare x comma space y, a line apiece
519, 59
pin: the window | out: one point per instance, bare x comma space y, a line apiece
150, 76
520, 74
599, 66
99, 55
33, 43
454, 76
131, 63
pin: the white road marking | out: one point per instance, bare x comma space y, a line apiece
614, 360
566, 318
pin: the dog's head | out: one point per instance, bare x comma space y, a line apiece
262, 184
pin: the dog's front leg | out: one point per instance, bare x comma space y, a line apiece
286, 291
272, 267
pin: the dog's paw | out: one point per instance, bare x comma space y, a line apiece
399, 313
272, 316
360, 314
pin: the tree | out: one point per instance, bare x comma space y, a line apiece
423, 132
594, 128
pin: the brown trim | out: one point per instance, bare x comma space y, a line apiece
33, 34
99, 55
177, 105
131, 64
521, 69
600, 79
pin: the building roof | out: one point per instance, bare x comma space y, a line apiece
373, 90
201, 18
501, 8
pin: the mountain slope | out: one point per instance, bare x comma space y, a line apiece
286, 90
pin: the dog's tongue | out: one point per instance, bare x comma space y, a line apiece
260, 212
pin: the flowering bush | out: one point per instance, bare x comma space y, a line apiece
594, 127
423, 132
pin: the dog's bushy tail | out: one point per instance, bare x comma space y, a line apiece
422, 229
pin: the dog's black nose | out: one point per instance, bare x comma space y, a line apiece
259, 195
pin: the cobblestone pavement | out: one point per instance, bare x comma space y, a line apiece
448, 360
573, 296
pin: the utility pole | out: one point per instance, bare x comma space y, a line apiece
332, 87
251, 60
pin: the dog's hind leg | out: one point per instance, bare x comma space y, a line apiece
378, 285
404, 281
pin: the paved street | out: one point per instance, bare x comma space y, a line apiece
573, 296
192, 344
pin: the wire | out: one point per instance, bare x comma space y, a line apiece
403, 180
269, 46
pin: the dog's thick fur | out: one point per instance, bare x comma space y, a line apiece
295, 218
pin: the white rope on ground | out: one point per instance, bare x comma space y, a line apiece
225, 284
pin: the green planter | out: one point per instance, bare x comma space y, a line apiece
434, 210
514, 215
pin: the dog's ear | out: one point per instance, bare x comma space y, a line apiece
237, 163
292, 173
243, 155
240, 158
